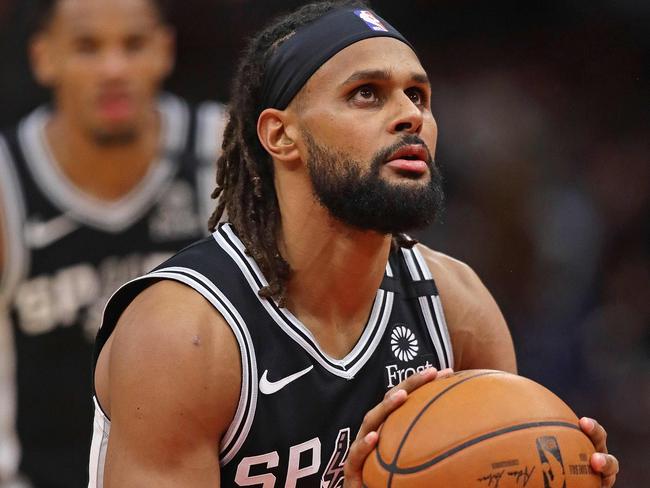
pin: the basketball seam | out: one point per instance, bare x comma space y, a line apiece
421, 412
393, 469
415, 420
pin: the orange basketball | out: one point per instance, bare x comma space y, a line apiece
481, 429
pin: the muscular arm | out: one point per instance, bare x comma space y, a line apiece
479, 334
481, 339
170, 378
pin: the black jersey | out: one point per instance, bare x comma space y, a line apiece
69, 253
299, 409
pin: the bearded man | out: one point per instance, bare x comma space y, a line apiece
269, 354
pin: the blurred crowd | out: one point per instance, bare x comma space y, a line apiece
545, 141
544, 123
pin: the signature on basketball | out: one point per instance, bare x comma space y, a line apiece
493, 479
521, 476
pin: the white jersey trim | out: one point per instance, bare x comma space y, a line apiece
98, 448
15, 262
239, 428
446, 339
431, 308
437, 306
114, 216
9, 442
12, 205
346, 367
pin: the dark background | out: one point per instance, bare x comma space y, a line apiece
544, 118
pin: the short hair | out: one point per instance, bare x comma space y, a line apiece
44, 10
245, 189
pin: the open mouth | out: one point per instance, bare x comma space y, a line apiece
412, 152
410, 161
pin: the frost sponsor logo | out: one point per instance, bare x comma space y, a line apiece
403, 343
395, 375
405, 348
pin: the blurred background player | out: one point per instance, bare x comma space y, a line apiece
107, 181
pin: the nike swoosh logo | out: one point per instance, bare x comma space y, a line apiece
270, 387
41, 234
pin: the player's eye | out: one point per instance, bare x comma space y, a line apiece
365, 95
134, 43
86, 45
417, 96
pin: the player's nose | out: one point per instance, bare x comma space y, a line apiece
408, 116
114, 63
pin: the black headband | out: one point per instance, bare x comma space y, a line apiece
298, 58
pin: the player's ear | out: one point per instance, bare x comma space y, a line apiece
273, 132
42, 59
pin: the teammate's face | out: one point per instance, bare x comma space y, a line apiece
105, 61
370, 137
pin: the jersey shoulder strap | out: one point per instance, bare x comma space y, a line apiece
12, 217
418, 285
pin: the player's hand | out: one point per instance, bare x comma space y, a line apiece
601, 461
367, 436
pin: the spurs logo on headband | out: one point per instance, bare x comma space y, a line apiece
369, 18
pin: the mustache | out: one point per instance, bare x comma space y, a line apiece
408, 140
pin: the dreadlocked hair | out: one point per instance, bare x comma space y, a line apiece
245, 191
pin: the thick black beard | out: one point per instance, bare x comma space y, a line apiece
368, 202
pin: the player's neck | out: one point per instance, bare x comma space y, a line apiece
336, 273
105, 172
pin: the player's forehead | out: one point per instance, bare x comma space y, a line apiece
97, 16
382, 56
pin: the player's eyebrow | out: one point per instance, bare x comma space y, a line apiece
420, 78
367, 75
381, 75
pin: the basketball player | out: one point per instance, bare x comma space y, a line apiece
103, 188
268, 354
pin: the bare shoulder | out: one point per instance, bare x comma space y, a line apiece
170, 380
169, 320
478, 330
460, 287
446, 269
176, 339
